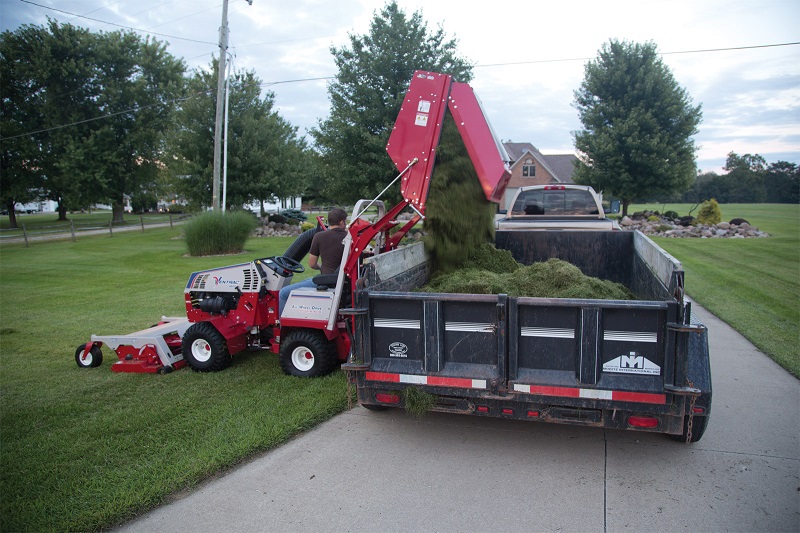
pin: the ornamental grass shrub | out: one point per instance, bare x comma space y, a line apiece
710, 213
217, 233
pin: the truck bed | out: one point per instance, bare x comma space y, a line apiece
592, 362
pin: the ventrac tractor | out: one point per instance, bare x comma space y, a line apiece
234, 308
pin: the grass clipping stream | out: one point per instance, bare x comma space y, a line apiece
488, 270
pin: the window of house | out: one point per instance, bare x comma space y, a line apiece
528, 169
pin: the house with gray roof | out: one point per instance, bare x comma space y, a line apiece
531, 167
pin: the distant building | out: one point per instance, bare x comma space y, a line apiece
531, 167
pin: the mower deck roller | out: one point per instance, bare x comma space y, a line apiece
156, 349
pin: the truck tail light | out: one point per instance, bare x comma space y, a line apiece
643, 421
387, 398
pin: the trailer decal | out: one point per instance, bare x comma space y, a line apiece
595, 394
630, 336
555, 333
632, 364
396, 323
461, 383
469, 327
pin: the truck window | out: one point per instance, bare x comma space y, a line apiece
554, 202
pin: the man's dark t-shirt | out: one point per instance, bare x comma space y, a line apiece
328, 246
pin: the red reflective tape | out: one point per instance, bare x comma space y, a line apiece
639, 397
383, 376
556, 391
450, 382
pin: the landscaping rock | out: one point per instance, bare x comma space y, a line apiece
654, 225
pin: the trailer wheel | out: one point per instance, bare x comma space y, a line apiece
205, 349
308, 354
699, 424
93, 359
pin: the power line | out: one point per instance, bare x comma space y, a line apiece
300, 80
117, 25
661, 53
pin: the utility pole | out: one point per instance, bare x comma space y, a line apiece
223, 54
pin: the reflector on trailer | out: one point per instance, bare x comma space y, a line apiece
482, 409
643, 421
533, 414
387, 398
507, 411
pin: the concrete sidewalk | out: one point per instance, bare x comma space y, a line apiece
386, 471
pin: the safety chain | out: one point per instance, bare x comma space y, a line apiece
691, 415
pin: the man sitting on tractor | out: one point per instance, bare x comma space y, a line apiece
327, 245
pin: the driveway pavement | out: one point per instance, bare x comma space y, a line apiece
386, 471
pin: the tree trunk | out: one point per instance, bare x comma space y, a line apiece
117, 212
62, 210
625, 204
12, 215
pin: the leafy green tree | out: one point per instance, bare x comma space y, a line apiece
744, 182
99, 103
782, 182
47, 85
140, 83
374, 73
266, 157
638, 125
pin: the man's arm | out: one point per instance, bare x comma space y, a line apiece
312, 262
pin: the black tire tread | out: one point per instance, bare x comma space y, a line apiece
220, 357
325, 357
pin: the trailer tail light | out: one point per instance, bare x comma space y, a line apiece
698, 410
643, 421
387, 398
533, 414
482, 409
507, 411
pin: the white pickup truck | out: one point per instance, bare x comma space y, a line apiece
558, 207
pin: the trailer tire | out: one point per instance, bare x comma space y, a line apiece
699, 424
307, 353
205, 349
93, 359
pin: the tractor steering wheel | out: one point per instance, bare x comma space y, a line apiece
287, 263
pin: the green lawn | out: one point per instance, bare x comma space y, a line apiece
751, 284
83, 449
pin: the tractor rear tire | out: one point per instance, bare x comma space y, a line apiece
205, 349
93, 359
308, 354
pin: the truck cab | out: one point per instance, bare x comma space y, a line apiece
558, 207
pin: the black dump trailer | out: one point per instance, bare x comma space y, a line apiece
640, 365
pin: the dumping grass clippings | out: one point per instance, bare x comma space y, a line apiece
458, 217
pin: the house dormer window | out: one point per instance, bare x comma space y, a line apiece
528, 168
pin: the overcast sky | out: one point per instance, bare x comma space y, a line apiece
529, 55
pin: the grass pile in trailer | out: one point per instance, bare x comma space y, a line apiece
488, 270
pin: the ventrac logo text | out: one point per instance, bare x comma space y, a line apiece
218, 280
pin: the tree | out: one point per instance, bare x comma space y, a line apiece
266, 157
47, 84
638, 125
374, 73
744, 182
782, 182
98, 104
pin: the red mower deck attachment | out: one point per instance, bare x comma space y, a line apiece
156, 349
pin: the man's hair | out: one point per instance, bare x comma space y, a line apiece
335, 216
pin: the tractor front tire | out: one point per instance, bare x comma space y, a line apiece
308, 354
205, 349
93, 359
